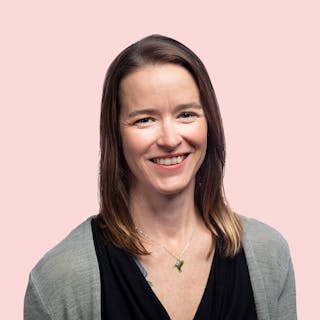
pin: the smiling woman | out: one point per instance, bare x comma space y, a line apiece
164, 145
165, 244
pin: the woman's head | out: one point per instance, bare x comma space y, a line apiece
156, 50
163, 130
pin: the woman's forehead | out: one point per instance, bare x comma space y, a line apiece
165, 83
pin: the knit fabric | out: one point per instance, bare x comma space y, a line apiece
65, 283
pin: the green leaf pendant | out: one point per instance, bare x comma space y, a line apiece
179, 264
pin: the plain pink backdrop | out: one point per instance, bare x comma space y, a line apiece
263, 58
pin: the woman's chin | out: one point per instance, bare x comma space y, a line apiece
171, 189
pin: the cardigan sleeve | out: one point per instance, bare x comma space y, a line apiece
271, 271
287, 298
65, 283
34, 307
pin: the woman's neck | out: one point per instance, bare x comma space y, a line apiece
165, 217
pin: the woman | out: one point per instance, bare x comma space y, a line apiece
165, 244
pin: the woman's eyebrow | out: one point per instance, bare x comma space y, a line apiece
148, 111
184, 106
153, 111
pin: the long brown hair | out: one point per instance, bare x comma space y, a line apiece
114, 216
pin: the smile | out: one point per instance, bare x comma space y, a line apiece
169, 161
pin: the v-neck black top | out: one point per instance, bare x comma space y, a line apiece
126, 294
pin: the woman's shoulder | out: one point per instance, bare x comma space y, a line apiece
76, 247
270, 268
263, 242
66, 275
256, 229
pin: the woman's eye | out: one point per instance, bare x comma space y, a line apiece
143, 121
187, 115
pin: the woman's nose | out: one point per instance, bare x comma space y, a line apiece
169, 136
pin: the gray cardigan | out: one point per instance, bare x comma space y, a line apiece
65, 284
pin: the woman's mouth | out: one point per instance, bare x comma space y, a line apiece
169, 161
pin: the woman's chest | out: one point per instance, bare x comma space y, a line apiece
179, 292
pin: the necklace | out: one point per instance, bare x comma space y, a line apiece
179, 262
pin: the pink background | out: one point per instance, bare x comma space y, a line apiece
263, 58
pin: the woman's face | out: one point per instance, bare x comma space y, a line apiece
163, 128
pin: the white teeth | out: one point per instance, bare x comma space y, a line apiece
169, 161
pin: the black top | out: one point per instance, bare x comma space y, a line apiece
126, 294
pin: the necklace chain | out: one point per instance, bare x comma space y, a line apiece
179, 262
